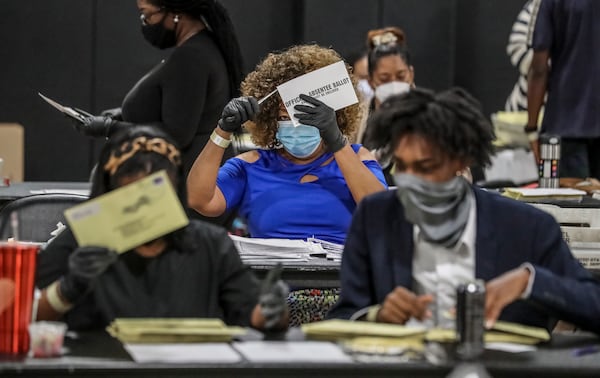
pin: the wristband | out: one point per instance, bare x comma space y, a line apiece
372, 313
219, 140
54, 299
533, 136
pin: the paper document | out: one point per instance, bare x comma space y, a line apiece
217, 353
129, 216
175, 330
273, 250
543, 194
292, 351
337, 328
256, 250
330, 84
74, 113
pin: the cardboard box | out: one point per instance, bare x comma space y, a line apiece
12, 137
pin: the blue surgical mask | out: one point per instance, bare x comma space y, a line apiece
300, 141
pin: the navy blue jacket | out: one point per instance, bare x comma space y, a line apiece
379, 249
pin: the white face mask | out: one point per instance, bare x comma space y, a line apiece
386, 90
365, 89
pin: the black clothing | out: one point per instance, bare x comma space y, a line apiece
184, 95
200, 274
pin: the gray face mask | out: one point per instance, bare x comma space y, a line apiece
441, 210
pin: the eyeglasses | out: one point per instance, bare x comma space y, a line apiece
144, 18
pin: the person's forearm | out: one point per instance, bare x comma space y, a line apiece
360, 180
536, 86
51, 305
202, 179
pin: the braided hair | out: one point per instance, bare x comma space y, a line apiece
452, 120
214, 14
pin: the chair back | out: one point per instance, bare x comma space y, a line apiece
37, 215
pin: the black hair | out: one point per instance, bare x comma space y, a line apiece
452, 120
354, 55
387, 49
222, 31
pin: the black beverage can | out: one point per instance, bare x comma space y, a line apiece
470, 319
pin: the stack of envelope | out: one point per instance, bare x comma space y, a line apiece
173, 330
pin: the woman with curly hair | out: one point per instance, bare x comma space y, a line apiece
306, 180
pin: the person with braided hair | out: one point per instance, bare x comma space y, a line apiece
195, 271
407, 250
185, 93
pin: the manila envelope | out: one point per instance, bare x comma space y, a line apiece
128, 216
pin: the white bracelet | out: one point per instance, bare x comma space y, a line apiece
533, 136
219, 140
54, 299
372, 313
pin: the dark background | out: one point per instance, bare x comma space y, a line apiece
88, 54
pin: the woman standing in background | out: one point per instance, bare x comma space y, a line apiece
185, 93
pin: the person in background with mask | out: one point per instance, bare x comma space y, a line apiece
306, 180
407, 250
185, 93
360, 68
195, 271
390, 71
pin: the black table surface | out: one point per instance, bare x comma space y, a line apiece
93, 354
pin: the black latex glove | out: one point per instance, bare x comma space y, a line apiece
114, 113
238, 111
323, 118
96, 126
85, 265
273, 298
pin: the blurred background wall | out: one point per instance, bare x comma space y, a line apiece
88, 54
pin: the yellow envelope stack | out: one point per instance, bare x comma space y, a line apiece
173, 330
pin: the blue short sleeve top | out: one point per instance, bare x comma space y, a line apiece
269, 194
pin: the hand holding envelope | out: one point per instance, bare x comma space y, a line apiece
322, 117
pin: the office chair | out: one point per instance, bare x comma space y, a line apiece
37, 215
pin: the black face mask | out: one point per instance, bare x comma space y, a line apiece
159, 36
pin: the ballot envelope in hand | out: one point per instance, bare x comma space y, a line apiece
128, 216
76, 114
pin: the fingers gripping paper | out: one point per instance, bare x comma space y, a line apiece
330, 84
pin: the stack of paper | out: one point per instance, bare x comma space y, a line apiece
333, 250
544, 194
184, 330
501, 332
346, 329
371, 333
256, 250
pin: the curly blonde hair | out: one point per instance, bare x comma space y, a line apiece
276, 69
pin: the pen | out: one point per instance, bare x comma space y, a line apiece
266, 97
590, 349
231, 118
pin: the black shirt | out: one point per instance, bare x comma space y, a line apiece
184, 95
204, 278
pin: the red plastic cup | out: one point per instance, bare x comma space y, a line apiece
17, 275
